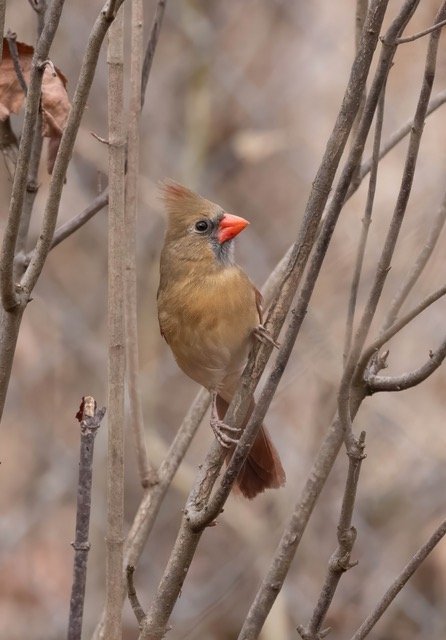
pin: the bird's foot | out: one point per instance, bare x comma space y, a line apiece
262, 334
223, 431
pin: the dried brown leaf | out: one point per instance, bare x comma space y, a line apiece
54, 102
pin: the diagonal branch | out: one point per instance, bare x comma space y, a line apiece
385, 336
76, 222
400, 582
365, 226
151, 46
418, 266
11, 39
420, 34
396, 137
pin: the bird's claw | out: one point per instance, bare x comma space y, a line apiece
262, 334
221, 429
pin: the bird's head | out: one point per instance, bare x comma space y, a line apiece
199, 227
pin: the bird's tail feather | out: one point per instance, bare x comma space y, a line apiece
262, 468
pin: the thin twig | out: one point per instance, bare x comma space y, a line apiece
114, 585
11, 39
147, 473
151, 46
132, 595
90, 419
418, 266
68, 228
339, 562
420, 34
400, 582
396, 137
365, 226
406, 380
386, 335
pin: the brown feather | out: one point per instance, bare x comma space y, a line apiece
262, 468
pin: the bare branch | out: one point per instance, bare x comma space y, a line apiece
395, 224
420, 34
65, 230
153, 497
90, 419
86, 76
151, 46
399, 583
32, 185
406, 380
399, 135
9, 296
11, 39
360, 16
114, 584
418, 266
147, 473
339, 562
132, 595
365, 226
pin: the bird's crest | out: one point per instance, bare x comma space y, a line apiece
178, 199
183, 205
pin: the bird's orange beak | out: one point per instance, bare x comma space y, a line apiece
230, 226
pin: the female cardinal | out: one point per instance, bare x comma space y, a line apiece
209, 311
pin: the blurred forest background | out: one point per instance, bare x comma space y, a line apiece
240, 102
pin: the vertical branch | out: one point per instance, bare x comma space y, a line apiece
90, 418
146, 473
2, 25
32, 185
339, 562
10, 299
116, 353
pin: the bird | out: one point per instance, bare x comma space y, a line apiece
209, 313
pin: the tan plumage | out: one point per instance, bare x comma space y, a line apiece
208, 310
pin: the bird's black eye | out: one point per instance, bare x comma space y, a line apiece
202, 226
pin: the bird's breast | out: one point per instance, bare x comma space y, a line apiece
208, 325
